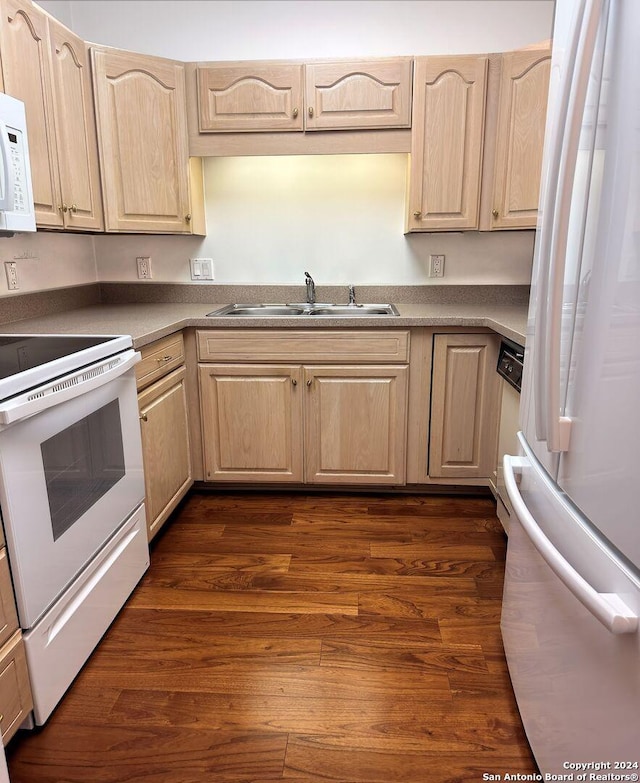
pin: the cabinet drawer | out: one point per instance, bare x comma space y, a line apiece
159, 358
8, 614
15, 692
310, 345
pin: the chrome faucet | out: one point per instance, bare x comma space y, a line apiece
311, 288
352, 295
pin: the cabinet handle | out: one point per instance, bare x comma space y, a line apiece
166, 358
74, 208
495, 213
188, 217
294, 382
295, 113
417, 215
64, 208
310, 111
143, 417
309, 382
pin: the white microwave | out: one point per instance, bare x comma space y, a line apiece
16, 191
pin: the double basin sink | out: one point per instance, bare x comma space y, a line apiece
303, 308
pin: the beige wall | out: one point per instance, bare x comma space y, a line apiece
47, 260
339, 216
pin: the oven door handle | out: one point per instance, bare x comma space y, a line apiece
67, 388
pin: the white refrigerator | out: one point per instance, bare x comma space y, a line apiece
572, 582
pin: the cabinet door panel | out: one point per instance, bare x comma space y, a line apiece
355, 425
520, 137
143, 142
250, 97
252, 422
24, 42
8, 614
351, 95
76, 130
446, 142
165, 446
464, 406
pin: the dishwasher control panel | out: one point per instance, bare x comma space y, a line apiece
510, 363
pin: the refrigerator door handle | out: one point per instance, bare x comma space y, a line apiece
548, 203
559, 427
608, 608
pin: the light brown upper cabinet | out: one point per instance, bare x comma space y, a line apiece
47, 67
356, 95
142, 136
250, 97
344, 95
75, 130
519, 139
446, 143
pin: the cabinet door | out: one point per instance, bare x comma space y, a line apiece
75, 130
26, 67
446, 143
250, 97
355, 424
8, 614
165, 447
15, 690
353, 95
142, 135
520, 137
252, 422
465, 399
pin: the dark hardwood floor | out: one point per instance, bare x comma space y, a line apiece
348, 638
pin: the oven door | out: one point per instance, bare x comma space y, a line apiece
70, 475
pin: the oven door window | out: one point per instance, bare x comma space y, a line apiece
81, 464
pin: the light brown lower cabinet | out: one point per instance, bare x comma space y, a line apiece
355, 425
294, 423
465, 402
15, 690
165, 447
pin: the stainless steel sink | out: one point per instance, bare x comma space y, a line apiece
258, 310
317, 309
354, 310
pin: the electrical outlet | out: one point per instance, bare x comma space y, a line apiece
11, 269
436, 266
144, 267
201, 268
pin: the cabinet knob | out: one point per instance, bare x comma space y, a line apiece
309, 382
295, 113
64, 208
294, 382
166, 358
143, 417
188, 218
495, 213
310, 111
73, 208
417, 214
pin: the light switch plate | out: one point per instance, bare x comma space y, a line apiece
201, 268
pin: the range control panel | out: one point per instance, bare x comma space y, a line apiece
510, 363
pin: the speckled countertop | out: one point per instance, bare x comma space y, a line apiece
148, 322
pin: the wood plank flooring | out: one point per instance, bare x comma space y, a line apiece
344, 638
